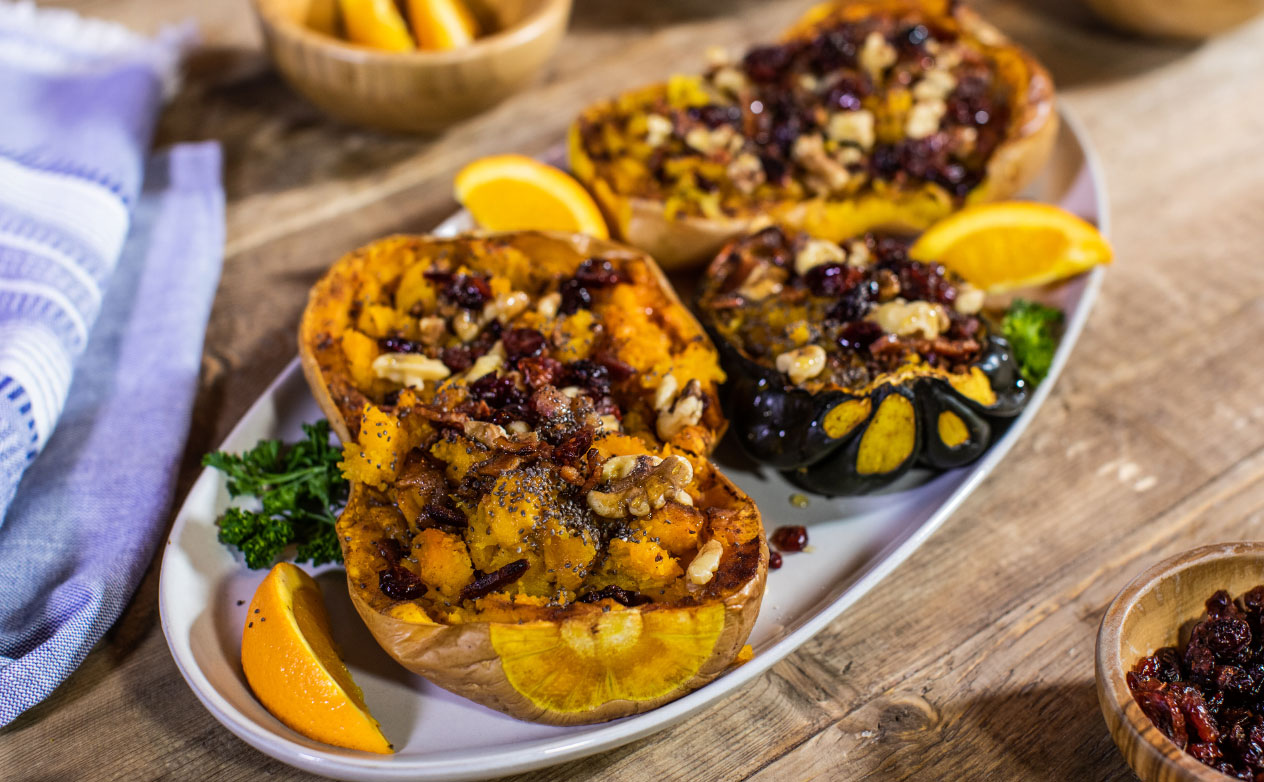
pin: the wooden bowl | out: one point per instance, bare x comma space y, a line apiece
1148, 614
422, 91
1176, 18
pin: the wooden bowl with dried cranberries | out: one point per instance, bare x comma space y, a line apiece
1180, 666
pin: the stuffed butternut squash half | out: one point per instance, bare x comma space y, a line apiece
533, 522
869, 114
850, 363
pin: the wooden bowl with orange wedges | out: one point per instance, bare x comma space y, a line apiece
416, 91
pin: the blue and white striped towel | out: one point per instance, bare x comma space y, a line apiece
78, 100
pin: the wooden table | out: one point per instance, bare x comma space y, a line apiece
974, 659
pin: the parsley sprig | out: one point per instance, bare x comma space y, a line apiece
300, 488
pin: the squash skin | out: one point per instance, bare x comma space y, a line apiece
462, 656
689, 241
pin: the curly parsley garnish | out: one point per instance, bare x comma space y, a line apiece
301, 489
1033, 331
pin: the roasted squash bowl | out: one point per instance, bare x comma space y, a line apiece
851, 363
870, 114
533, 522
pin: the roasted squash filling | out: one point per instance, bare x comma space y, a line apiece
530, 424
856, 99
826, 315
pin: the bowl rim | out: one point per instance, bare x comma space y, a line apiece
1115, 698
535, 25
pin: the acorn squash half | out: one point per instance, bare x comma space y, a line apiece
869, 114
533, 522
850, 363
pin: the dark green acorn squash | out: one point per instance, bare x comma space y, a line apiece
850, 363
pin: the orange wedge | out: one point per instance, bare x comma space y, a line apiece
513, 193
1013, 244
376, 23
580, 664
442, 24
290, 661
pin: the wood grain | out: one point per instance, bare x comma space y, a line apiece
974, 660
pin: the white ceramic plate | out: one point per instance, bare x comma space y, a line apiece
856, 541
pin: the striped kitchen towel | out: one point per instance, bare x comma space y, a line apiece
78, 102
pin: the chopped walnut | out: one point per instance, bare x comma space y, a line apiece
518, 427
506, 306
685, 411
935, 84
802, 363
410, 369
548, 304
763, 281
665, 392
746, 172
924, 117
484, 365
852, 127
702, 569
609, 423
431, 329
963, 139
657, 130
717, 56
711, 142
639, 485
910, 318
730, 79
827, 173
465, 326
876, 55
858, 254
969, 299
817, 252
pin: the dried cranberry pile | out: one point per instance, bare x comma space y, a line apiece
1209, 699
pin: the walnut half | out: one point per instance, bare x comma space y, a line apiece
639, 485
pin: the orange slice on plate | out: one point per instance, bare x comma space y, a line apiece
377, 24
1013, 244
579, 664
442, 24
515, 193
290, 661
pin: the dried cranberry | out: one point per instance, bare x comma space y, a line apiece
400, 583
400, 345
598, 273
854, 304
521, 343
540, 370
589, 375
766, 63
617, 369
573, 446
834, 49
457, 358
774, 560
1219, 604
496, 390
774, 168
858, 335
486, 583
713, 116
832, 279
617, 594
790, 538
1228, 637
468, 291
443, 511
390, 550
575, 297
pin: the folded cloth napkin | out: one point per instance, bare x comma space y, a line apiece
78, 101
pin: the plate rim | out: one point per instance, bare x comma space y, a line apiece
541, 753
